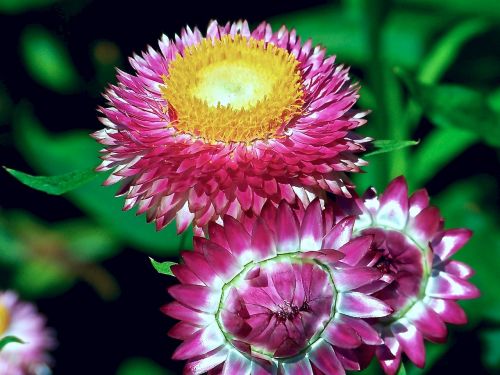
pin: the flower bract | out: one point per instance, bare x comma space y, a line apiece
280, 293
412, 248
221, 123
21, 320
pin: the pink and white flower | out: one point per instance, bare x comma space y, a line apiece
280, 293
20, 319
414, 250
221, 123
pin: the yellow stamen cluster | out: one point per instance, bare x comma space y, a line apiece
4, 319
233, 89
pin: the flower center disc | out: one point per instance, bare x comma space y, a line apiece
233, 89
4, 319
278, 308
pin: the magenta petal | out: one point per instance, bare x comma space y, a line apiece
178, 311
393, 210
201, 366
360, 305
356, 249
342, 335
262, 240
195, 296
411, 341
451, 241
221, 261
351, 278
236, 363
311, 230
425, 225
367, 333
201, 342
444, 285
418, 201
426, 320
200, 267
237, 238
324, 358
300, 367
459, 269
340, 234
183, 330
263, 368
287, 229
448, 310
389, 355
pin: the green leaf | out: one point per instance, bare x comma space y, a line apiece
383, 146
491, 348
487, 8
401, 370
4, 341
19, 6
162, 267
140, 366
453, 106
48, 61
437, 149
56, 154
55, 185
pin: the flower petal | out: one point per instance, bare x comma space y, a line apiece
351, 278
324, 358
201, 342
340, 234
411, 341
444, 285
311, 230
360, 305
450, 242
393, 210
287, 229
341, 334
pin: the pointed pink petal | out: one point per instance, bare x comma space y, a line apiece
361, 306
178, 311
299, 367
185, 275
236, 363
340, 234
356, 249
341, 334
287, 229
418, 201
411, 341
201, 366
459, 269
238, 239
367, 333
324, 358
425, 225
262, 240
448, 310
200, 267
444, 285
311, 230
183, 330
201, 342
351, 278
389, 355
426, 320
451, 241
393, 210
221, 260
195, 296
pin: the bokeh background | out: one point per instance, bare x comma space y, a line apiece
430, 71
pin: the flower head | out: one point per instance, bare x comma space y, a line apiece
222, 123
277, 294
413, 250
20, 319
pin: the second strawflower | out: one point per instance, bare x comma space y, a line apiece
221, 123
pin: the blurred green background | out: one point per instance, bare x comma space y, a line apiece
429, 70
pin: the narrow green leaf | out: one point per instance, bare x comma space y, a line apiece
401, 370
55, 185
383, 146
4, 341
48, 61
437, 149
162, 267
453, 106
56, 154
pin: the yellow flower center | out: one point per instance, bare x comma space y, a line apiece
4, 318
233, 89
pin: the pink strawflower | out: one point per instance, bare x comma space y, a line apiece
276, 294
222, 123
20, 319
412, 249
